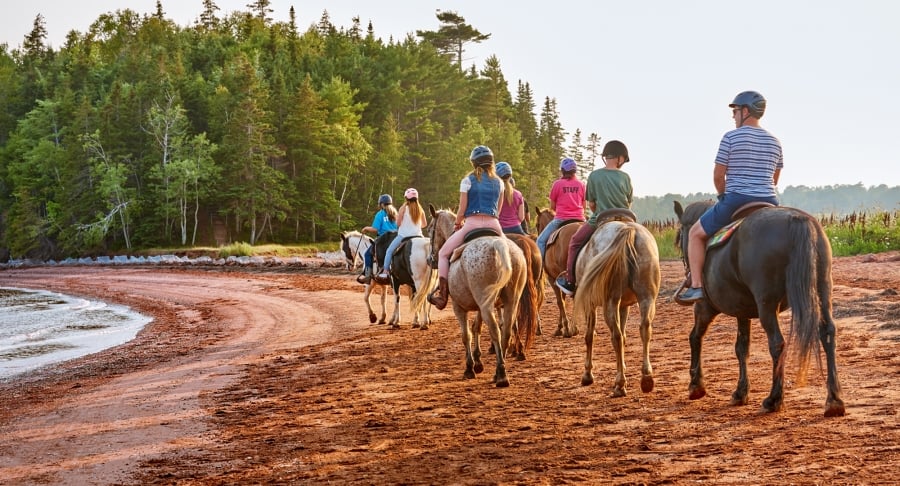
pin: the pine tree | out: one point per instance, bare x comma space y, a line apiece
452, 36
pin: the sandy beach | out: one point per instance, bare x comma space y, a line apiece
275, 376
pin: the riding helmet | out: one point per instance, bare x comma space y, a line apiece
754, 102
615, 148
567, 164
503, 169
385, 199
481, 152
411, 194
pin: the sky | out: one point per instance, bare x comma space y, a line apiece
657, 75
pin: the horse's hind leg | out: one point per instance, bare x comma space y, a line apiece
467, 342
742, 351
476, 336
834, 405
497, 338
775, 401
648, 312
611, 314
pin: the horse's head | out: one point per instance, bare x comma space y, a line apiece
544, 216
441, 227
352, 244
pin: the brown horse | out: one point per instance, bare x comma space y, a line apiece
528, 318
555, 263
778, 258
485, 272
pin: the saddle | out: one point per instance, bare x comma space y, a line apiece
555, 234
737, 217
609, 215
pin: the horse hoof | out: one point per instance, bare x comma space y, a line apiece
558, 333
587, 379
697, 393
372, 318
469, 375
382, 321
770, 406
416, 326
502, 383
647, 384
395, 326
618, 393
834, 409
423, 327
738, 400
520, 357
479, 367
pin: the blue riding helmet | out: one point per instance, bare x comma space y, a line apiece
503, 169
479, 152
754, 102
567, 164
385, 199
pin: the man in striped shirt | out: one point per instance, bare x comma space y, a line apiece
747, 167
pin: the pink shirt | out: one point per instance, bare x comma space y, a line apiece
509, 213
568, 194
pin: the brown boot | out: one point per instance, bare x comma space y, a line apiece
438, 298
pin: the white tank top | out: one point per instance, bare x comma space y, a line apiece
408, 227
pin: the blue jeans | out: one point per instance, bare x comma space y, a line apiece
367, 257
719, 215
390, 253
514, 229
545, 235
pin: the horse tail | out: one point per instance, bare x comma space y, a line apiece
418, 300
606, 276
526, 319
802, 288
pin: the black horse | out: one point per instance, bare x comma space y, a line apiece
778, 258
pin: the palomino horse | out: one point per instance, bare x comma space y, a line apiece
778, 258
488, 271
618, 267
410, 266
355, 244
555, 263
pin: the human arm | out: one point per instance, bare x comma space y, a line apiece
520, 212
463, 204
775, 176
719, 178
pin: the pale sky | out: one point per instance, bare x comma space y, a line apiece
656, 74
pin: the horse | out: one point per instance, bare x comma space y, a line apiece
528, 319
355, 244
777, 258
489, 271
555, 259
410, 266
616, 268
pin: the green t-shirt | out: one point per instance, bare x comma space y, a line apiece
608, 189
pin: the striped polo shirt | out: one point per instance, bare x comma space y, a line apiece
750, 155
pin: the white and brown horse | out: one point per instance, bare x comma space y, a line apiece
485, 273
354, 245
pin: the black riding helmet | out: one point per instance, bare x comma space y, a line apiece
615, 148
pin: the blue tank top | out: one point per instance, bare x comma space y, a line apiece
484, 196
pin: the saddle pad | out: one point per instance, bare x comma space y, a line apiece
555, 234
723, 234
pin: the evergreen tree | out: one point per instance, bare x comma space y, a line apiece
452, 36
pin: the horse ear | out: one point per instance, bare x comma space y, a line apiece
679, 211
432, 210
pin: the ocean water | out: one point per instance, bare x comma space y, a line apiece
38, 328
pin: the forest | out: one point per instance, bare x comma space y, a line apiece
141, 133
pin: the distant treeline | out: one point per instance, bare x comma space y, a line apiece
837, 200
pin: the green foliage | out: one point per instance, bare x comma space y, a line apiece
236, 249
860, 233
